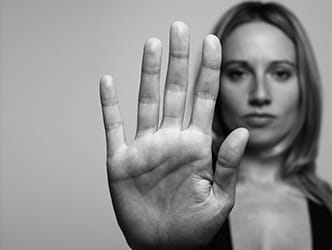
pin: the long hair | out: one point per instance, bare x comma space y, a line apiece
301, 145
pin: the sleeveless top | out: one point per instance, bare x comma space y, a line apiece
321, 230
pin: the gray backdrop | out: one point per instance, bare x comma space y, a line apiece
53, 186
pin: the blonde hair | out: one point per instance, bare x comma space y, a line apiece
301, 145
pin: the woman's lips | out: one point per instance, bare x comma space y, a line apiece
258, 120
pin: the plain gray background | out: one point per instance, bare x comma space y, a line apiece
53, 185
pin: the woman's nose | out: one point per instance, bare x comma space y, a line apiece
260, 93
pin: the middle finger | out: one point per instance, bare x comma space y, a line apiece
177, 76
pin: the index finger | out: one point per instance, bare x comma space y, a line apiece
207, 85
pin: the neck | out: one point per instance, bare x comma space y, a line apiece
260, 170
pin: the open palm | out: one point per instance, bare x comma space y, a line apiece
164, 191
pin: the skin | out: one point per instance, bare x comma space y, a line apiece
259, 76
164, 192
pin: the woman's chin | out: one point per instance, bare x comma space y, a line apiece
262, 143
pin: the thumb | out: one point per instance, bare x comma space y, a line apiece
229, 157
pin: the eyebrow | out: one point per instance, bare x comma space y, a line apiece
246, 64
290, 63
242, 63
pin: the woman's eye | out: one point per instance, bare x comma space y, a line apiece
281, 75
236, 75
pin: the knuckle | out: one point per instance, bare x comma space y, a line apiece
224, 162
229, 202
109, 126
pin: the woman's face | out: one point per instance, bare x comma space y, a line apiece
259, 83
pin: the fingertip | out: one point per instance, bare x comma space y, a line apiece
212, 52
233, 147
213, 41
106, 81
238, 138
152, 56
179, 26
243, 133
107, 90
152, 44
179, 38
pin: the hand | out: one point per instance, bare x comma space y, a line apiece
164, 191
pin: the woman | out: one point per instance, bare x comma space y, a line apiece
165, 192
278, 93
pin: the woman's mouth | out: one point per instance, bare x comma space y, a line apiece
258, 120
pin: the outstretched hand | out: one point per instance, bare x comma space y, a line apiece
164, 191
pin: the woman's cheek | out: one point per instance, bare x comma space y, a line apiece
231, 106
